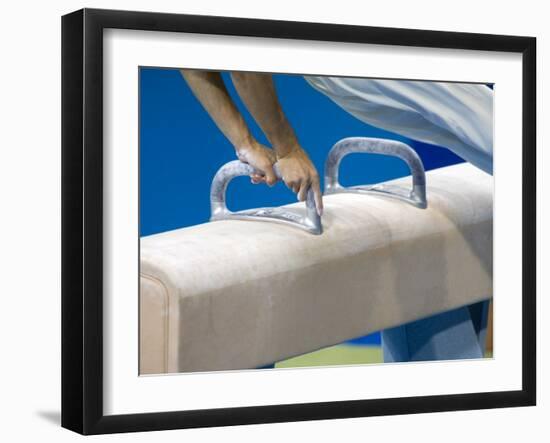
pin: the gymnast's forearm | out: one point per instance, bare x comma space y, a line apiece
210, 90
260, 97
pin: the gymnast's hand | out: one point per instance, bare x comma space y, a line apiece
299, 174
295, 167
261, 158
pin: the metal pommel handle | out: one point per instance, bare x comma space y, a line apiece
417, 195
310, 222
218, 188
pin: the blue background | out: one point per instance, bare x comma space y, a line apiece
181, 149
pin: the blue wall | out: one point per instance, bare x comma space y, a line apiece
181, 150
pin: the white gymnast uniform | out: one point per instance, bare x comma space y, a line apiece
457, 116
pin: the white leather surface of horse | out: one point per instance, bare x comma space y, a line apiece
242, 294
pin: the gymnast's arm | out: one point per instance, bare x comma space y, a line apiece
211, 92
299, 174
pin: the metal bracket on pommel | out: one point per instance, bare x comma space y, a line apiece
307, 220
415, 196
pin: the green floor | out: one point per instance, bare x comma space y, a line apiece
340, 355
335, 355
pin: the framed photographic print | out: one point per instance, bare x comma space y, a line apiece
269, 221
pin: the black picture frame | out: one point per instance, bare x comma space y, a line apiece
82, 216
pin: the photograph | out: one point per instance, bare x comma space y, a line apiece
290, 221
